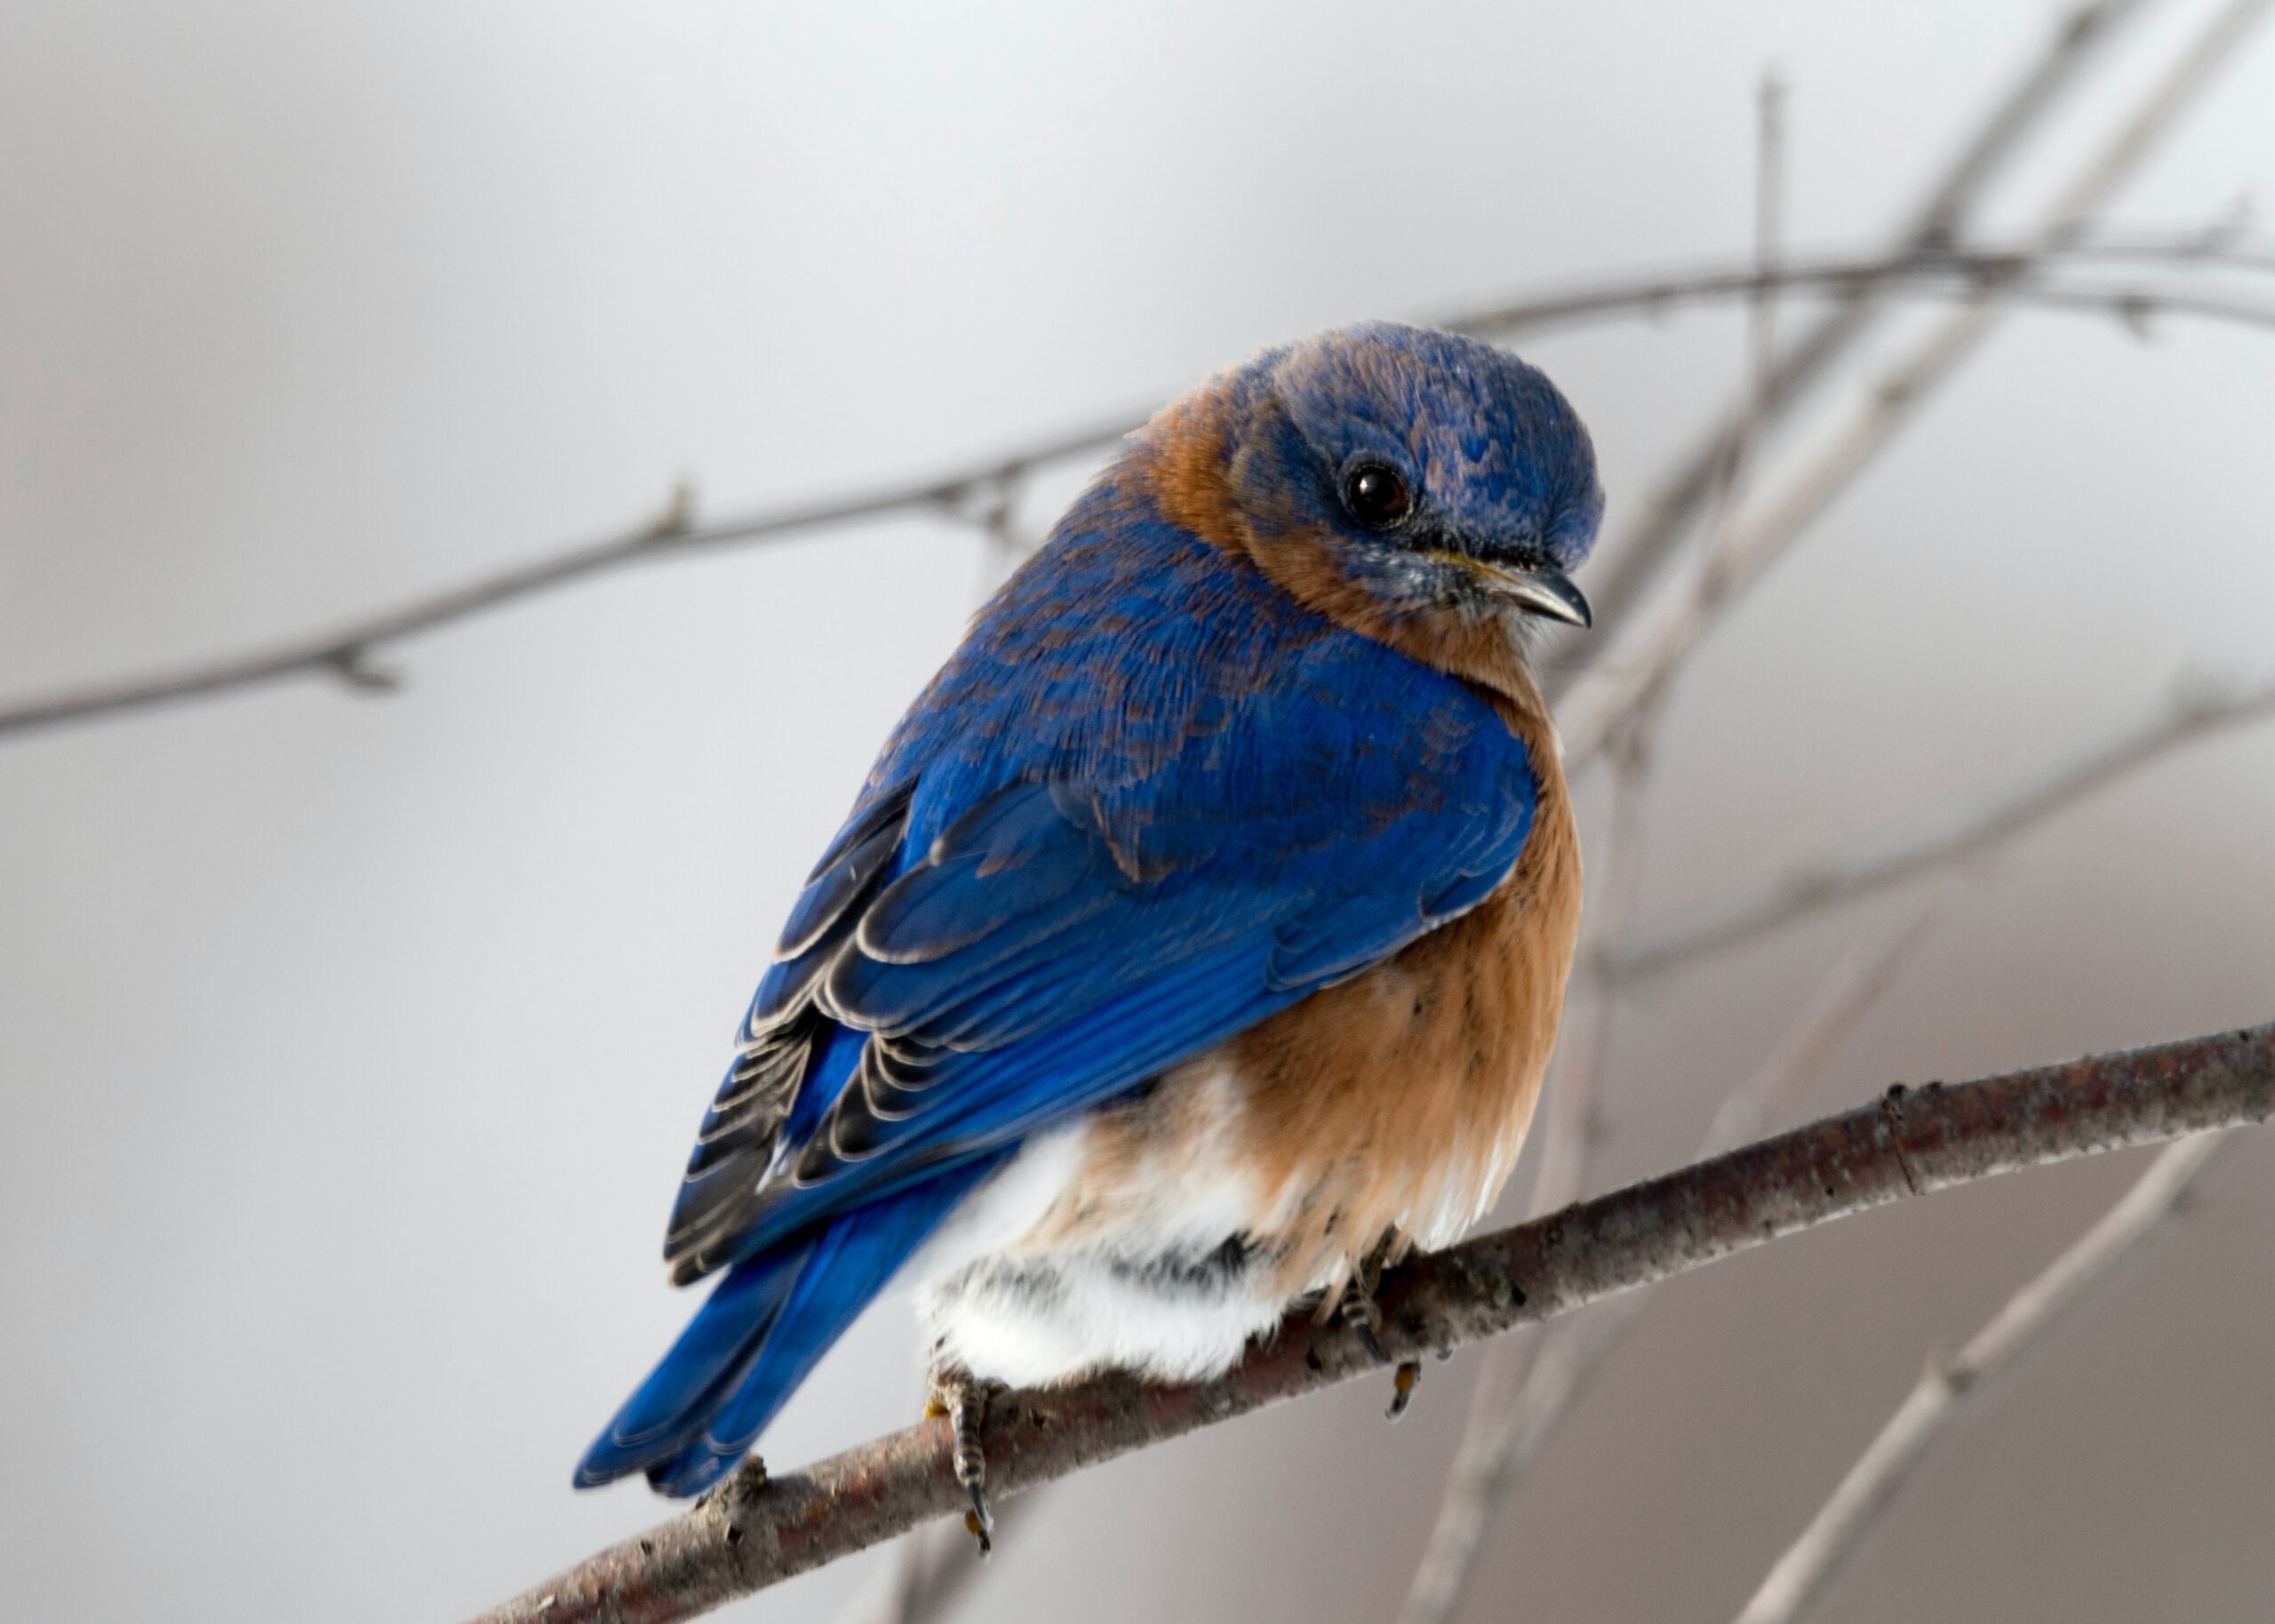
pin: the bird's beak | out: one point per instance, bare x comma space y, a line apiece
1547, 592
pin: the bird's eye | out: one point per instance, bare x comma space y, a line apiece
1375, 495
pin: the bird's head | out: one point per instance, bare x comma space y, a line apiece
1397, 478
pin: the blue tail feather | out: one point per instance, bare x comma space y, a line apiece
760, 1335
716, 1349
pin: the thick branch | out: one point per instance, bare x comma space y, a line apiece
975, 495
1873, 1484
754, 1532
1958, 837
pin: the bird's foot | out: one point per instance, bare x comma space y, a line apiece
1360, 1313
963, 1400
1365, 1319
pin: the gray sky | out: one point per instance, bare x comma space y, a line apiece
349, 1048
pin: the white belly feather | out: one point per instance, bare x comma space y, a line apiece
1159, 1278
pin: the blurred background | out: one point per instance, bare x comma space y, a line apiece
350, 1046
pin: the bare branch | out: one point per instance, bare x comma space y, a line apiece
1887, 1463
1504, 1441
343, 650
754, 1532
1621, 684
1959, 836
1959, 272
1640, 557
973, 495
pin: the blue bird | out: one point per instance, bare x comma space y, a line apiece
1199, 936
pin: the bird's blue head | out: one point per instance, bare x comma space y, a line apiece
1425, 472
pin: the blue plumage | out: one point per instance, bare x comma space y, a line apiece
1151, 800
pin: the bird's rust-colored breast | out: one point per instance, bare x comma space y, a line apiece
1393, 1106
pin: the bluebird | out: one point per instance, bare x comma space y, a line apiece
1198, 940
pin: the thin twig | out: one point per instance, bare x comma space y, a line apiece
1768, 260
2197, 710
1567, 1143
1952, 273
1622, 683
1573, 1352
1642, 552
756, 1531
971, 495
1881, 1473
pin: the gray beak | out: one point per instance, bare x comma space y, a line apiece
1546, 592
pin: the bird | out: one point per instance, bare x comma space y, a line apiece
1198, 941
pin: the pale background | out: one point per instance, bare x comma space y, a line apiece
349, 1048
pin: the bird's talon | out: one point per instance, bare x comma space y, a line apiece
963, 1400
1360, 1313
1403, 1385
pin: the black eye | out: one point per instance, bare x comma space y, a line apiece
1375, 495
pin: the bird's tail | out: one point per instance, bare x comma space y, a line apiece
758, 1336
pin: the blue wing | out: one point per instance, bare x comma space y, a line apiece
1151, 802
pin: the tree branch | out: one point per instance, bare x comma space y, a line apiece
975, 495
1949, 273
754, 1532
2196, 710
1799, 1576
343, 651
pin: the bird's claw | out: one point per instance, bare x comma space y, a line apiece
1402, 1385
963, 1400
980, 1521
1361, 1314
1358, 1312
